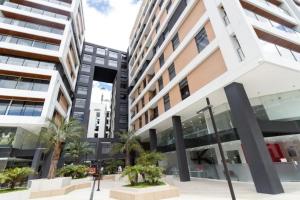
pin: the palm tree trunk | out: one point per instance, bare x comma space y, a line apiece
54, 160
127, 158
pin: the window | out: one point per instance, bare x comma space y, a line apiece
3, 106
113, 54
161, 3
78, 115
101, 51
201, 40
153, 19
89, 48
40, 85
16, 108
80, 103
172, 72
143, 102
167, 102
112, 63
146, 118
175, 41
168, 6
99, 60
32, 109
184, 89
86, 68
82, 90
161, 60
123, 85
84, 79
160, 84
157, 27
87, 58
8, 82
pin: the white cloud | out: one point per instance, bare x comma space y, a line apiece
112, 28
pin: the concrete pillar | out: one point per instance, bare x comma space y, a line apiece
36, 162
183, 168
263, 172
153, 139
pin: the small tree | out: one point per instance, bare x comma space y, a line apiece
14, 176
128, 142
74, 150
54, 135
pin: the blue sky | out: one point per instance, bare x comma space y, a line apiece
109, 22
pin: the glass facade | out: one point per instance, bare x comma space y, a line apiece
203, 155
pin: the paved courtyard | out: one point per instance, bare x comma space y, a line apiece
200, 189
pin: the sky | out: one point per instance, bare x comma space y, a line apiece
109, 22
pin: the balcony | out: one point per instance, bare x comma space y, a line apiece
271, 23
28, 42
30, 25
273, 49
35, 10
58, 2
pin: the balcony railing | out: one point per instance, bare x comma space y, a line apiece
28, 42
271, 23
35, 10
277, 8
31, 25
26, 62
272, 49
58, 2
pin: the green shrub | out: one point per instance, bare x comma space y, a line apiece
74, 171
15, 176
150, 158
132, 172
152, 174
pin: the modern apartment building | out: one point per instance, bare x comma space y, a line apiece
244, 55
108, 65
40, 47
99, 120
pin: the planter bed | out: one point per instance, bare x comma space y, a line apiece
54, 187
146, 193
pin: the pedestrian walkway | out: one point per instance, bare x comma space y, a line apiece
202, 189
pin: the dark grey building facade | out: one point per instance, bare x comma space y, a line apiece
99, 63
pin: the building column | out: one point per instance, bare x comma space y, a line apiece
183, 168
153, 139
263, 172
36, 163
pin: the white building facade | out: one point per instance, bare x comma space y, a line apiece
185, 51
40, 48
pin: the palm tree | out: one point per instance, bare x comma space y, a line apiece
128, 142
76, 150
53, 136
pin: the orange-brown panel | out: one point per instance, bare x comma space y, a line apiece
29, 36
165, 77
211, 68
30, 55
163, 17
276, 40
28, 18
265, 14
57, 118
25, 75
156, 66
160, 106
210, 32
4, 97
186, 56
175, 96
63, 102
42, 7
168, 50
192, 19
